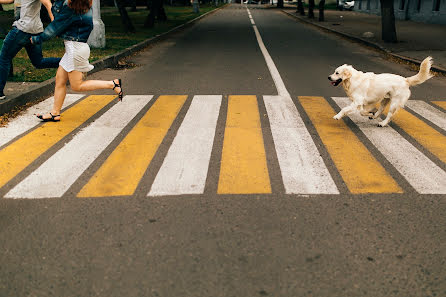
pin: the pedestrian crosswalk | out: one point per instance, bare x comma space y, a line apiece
164, 145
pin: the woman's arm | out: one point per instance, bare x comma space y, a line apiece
61, 22
6, 1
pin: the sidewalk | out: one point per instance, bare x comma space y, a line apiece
416, 41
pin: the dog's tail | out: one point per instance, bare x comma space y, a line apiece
424, 73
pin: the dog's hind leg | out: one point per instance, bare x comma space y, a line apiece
368, 110
383, 105
394, 107
396, 102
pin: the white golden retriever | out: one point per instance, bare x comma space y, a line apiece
366, 90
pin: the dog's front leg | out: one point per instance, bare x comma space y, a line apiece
345, 111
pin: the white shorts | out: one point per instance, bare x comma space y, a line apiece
76, 57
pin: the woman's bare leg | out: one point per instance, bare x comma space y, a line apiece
60, 92
78, 84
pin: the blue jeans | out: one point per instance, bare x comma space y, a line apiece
13, 43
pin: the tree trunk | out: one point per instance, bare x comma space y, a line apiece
311, 9
388, 29
156, 11
279, 3
300, 7
321, 10
126, 22
406, 10
161, 16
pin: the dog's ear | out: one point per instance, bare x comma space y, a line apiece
346, 73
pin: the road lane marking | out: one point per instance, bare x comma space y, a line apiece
185, 167
428, 112
303, 170
361, 172
243, 164
58, 173
431, 139
280, 86
442, 104
417, 169
27, 120
22, 152
124, 168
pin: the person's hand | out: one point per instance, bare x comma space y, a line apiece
31, 39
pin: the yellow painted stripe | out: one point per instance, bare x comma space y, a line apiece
243, 164
19, 154
124, 168
442, 104
361, 172
431, 139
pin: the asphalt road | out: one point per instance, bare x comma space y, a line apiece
213, 244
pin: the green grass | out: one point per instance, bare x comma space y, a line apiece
116, 39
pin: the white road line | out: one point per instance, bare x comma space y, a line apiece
58, 173
419, 171
28, 120
429, 112
280, 86
185, 167
303, 170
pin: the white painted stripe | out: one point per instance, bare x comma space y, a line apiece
58, 173
280, 86
185, 167
27, 120
429, 112
302, 167
419, 171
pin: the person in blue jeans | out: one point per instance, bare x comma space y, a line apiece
19, 36
73, 23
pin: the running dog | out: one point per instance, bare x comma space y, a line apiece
366, 90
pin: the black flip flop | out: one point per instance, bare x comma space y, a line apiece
118, 85
52, 119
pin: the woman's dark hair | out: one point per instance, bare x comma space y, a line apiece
80, 6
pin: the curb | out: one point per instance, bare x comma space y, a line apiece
366, 42
46, 88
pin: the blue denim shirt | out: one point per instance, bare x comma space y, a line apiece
67, 24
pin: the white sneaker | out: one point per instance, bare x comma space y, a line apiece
2, 96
